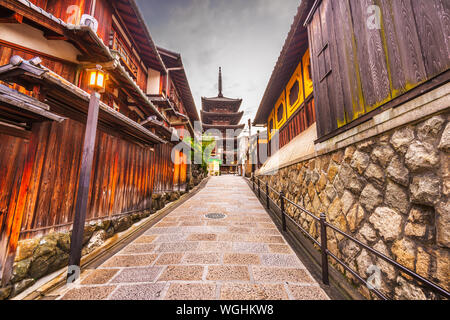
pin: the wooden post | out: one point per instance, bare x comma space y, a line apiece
257, 150
76, 244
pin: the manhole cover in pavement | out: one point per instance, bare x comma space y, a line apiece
215, 216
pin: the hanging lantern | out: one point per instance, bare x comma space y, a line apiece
97, 79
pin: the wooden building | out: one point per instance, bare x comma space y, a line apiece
46, 50
221, 117
337, 71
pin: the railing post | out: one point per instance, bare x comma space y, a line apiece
283, 213
324, 248
267, 195
259, 189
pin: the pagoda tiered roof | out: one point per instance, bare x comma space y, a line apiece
233, 117
210, 104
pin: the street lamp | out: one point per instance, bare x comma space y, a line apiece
97, 80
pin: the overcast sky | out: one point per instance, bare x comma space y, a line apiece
244, 37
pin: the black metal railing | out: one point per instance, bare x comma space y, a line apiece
323, 244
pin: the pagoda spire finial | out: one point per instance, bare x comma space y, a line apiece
220, 83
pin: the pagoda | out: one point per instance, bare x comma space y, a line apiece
222, 114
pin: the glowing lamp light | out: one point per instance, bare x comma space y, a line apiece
97, 79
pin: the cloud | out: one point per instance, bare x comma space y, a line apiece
244, 37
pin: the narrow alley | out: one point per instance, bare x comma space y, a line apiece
187, 256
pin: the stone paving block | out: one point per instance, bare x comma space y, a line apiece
280, 248
270, 225
139, 248
130, 261
192, 224
203, 258
239, 230
146, 239
234, 237
228, 273
240, 291
214, 246
148, 291
250, 247
173, 237
89, 293
169, 258
241, 258
178, 246
147, 274
99, 276
271, 274
185, 273
307, 293
191, 291
280, 260
202, 237
164, 224
271, 232
155, 230
264, 238
217, 223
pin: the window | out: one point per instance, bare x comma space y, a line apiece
293, 93
280, 113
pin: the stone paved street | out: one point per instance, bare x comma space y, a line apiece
187, 256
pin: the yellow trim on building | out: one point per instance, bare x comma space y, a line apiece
281, 103
271, 131
308, 83
303, 76
292, 106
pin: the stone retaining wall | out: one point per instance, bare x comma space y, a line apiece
41, 256
392, 193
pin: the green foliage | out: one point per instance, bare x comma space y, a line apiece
203, 147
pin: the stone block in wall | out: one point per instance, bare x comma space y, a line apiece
360, 161
429, 130
444, 144
443, 224
397, 172
375, 173
421, 156
396, 197
388, 223
408, 291
401, 139
425, 189
371, 198
350, 179
26, 248
354, 217
404, 252
382, 154
122, 224
22, 286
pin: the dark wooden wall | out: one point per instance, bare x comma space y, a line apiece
122, 181
63, 68
13, 155
356, 69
